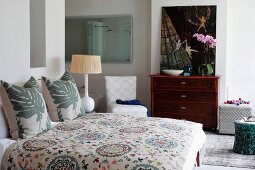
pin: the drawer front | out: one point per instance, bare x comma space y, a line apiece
184, 96
184, 107
206, 120
183, 84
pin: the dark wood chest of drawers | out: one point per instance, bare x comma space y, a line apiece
193, 98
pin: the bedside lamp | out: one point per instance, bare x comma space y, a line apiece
86, 64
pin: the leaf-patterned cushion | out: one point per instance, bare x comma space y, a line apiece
25, 109
62, 98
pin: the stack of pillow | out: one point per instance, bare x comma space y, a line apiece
29, 111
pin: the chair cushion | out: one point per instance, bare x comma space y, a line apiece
62, 98
133, 110
120, 87
25, 109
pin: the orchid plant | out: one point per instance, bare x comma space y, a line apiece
208, 41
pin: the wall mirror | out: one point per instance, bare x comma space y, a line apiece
37, 34
107, 36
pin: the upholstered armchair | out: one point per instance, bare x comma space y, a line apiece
123, 88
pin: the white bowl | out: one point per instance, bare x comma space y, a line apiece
173, 72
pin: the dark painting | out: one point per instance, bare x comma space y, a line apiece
180, 45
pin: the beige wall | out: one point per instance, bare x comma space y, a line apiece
140, 10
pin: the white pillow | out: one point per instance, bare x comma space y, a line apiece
4, 131
4, 144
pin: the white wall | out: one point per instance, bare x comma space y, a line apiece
140, 10
15, 37
221, 62
240, 49
234, 19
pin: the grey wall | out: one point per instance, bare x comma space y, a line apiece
140, 10
37, 33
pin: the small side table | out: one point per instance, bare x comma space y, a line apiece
229, 113
244, 137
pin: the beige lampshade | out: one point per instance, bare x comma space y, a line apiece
86, 64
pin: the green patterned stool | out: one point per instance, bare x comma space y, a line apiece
244, 137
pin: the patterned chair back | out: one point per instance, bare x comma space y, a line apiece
120, 87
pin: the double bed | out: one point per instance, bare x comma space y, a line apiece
108, 141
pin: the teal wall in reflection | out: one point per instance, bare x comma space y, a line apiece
109, 37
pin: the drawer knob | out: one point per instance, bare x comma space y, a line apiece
183, 108
183, 82
183, 96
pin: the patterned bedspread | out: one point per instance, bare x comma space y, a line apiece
106, 141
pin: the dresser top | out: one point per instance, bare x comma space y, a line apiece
191, 77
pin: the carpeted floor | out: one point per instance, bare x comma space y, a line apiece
219, 152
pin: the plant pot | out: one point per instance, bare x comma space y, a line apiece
205, 69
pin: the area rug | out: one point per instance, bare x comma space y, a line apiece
219, 152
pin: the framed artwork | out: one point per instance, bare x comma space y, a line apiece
188, 38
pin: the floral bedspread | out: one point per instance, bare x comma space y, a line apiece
106, 141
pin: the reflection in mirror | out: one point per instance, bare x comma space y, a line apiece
37, 34
107, 36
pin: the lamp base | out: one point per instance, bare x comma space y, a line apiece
88, 104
